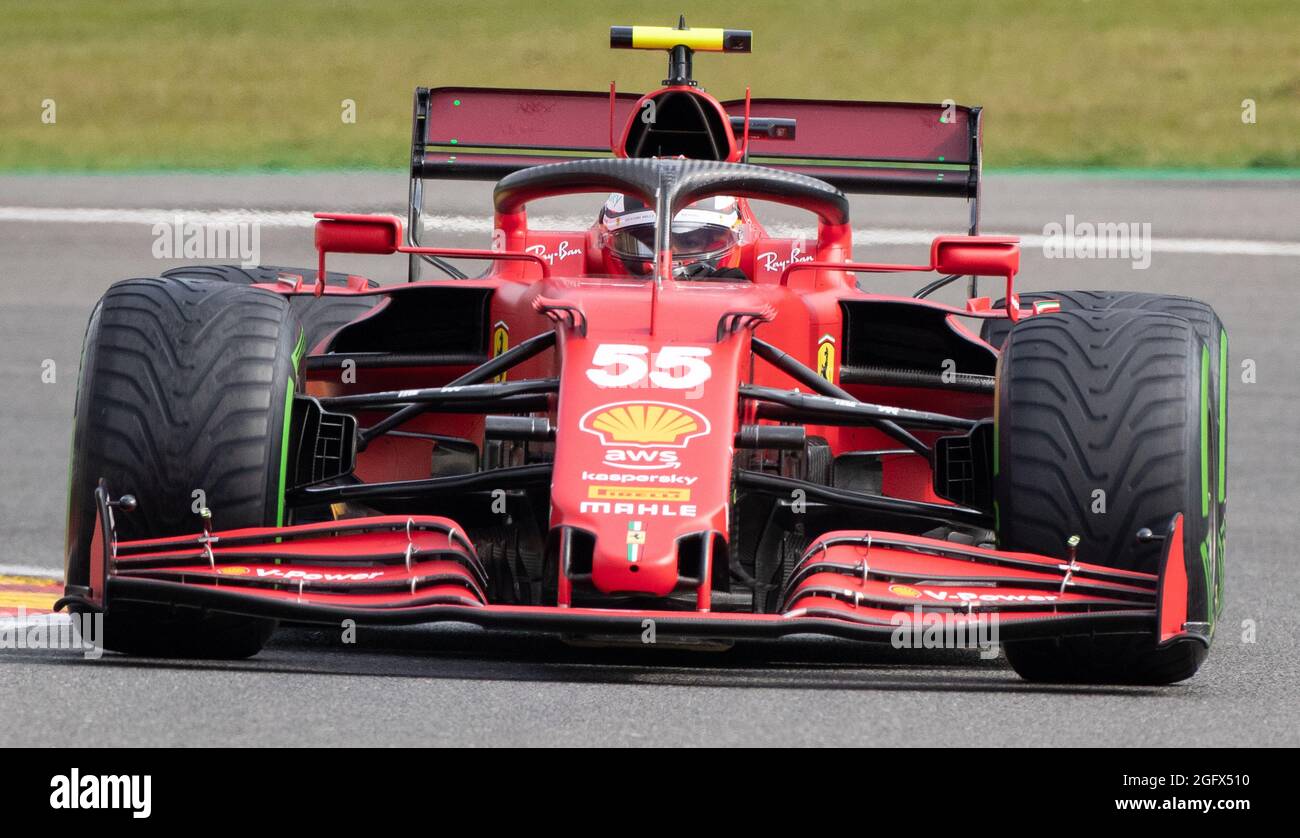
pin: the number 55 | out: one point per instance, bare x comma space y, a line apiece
676, 367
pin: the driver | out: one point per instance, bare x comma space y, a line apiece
706, 238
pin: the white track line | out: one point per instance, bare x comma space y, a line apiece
482, 224
30, 570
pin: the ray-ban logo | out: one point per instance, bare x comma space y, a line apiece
102, 791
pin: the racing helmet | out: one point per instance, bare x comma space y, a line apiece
706, 236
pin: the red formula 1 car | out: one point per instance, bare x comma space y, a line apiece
672, 427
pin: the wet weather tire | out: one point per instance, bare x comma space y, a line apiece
184, 388
320, 316
1208, 327
1105, 426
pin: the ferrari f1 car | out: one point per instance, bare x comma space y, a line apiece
671, 426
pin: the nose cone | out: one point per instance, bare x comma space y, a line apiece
638, 564
642, 462
637, 545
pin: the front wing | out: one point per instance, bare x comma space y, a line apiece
864, 585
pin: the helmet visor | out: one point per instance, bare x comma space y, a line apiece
689, 241
696, 241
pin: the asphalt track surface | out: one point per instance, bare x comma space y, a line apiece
453, 685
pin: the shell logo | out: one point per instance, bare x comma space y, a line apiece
905, 591
233, 570
645, 424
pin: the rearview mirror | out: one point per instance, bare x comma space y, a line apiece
343, 233
976, 255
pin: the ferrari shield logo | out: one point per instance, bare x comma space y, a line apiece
500, 343
826, 358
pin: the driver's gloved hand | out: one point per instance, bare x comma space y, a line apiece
702, 270
695, 270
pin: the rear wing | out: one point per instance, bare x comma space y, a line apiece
886, 148
486, 133
902, 148
883, 148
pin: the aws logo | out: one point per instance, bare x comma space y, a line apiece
644, 435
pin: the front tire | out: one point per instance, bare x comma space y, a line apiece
320, 316
1105, 427
185, 388
1208, 327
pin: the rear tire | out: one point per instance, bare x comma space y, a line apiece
1109, 402
320, 316
185, 385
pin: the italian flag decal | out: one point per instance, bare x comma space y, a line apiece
635, 540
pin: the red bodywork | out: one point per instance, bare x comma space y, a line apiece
650, 403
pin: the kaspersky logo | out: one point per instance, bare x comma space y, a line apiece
644, 434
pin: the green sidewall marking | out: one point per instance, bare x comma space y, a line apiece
284, 451
1218, 575
298, 350
1205, 432
1223, 416
1208, 554
1220, 544
1209, 591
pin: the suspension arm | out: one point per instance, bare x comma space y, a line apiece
806, 407
527, 349
845, 498
514, 477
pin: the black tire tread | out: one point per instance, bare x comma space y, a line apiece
320, 316
1104, 660
182, 387
195, 383
256, 275
1198, 313
1201, 315
1098, 399
1064, 421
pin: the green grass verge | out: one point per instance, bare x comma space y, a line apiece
160, 84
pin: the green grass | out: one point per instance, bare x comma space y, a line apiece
158, 84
